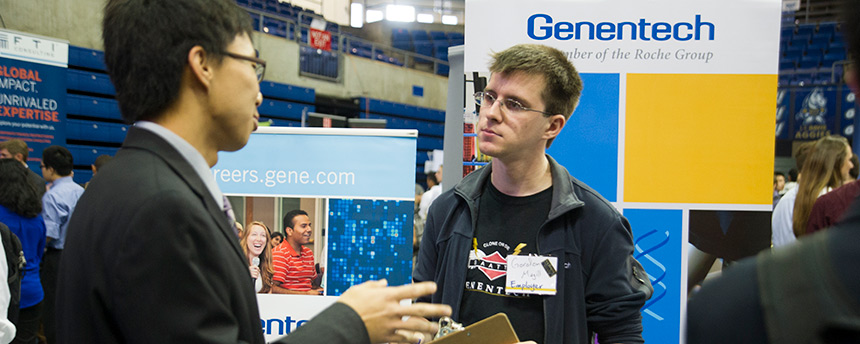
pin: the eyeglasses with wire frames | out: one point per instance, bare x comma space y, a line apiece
259, 64
486, 99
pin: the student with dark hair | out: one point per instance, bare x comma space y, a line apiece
779, 182
19, 210
805, 293
58, 204
101, 160
778, 187
781, 220
791, 181
293, 262
152, 256
18, 150
277, 238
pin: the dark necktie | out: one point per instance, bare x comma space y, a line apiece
231, 216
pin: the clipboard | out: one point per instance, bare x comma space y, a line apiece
495, 329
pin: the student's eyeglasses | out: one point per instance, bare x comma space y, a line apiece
259, 64
487, 99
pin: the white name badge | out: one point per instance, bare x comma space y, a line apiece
531, 275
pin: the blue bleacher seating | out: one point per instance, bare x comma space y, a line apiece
816, 47
799, 40
402, 110
424, 48
403, 45
420, 35
787, 64
330, 64
380, 57
275, 27
306, 17
305, 36
429, 143
283, 109
456, 38
439, 37
793, 52
401, 39
287, 92
272, 7
94, 131
82, 176
442, 70
427, 128
821, 38
90, 106
804, 30
86, 155
334, 41
92, 82
829, 59
836, 45
809, 61
826, 29
821, 79
86, 58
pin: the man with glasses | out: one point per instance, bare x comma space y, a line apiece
524, 205
151, 255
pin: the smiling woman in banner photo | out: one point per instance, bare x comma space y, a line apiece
255, 243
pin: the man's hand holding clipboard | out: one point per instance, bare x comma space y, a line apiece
496, 329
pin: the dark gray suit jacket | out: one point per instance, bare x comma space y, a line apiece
150, 258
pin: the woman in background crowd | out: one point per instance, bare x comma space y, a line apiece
255, 244
19, 209
826, 169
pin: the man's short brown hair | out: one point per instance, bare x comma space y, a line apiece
15, 146
562, 83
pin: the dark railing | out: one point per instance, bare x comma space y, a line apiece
815, 11
318, 64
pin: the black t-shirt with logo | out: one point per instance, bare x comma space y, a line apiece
504, 222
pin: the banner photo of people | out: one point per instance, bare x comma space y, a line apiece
33, 91
674, 125
319, 210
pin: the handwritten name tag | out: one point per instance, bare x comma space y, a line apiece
531, 275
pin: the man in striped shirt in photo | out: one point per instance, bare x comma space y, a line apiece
292, 261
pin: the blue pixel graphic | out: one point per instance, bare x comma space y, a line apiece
368, 240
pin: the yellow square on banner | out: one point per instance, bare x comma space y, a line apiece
694, 138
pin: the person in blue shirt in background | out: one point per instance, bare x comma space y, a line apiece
58, 204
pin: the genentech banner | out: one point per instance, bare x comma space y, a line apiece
675, 124
361, 183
